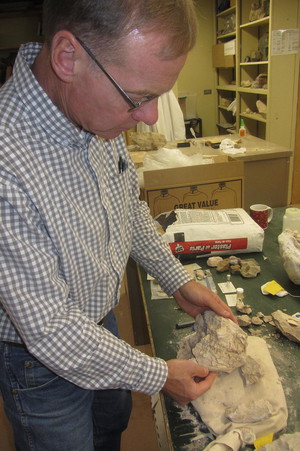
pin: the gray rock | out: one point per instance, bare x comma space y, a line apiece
251, 371
267, 318
288, 325
252, 412
250, 269
256, 321
243, 320
243, 308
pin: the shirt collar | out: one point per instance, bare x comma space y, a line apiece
50, 118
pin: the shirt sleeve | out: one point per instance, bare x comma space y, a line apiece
38, 302
150, 250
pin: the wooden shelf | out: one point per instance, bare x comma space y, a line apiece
254, 116
227, 35
227, 88
256, 23
227, 11
254, 63
259, 91
227, 126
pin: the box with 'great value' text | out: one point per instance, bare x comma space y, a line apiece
216, 185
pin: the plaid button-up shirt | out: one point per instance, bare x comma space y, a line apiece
70, 218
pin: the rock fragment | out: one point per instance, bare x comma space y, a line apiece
267, 318
256, 321
254, 332
243, 308
250, 413
235, 269
220, 345
283, 323
223, 265
223, 346
213, 261
249, 268
251, 371
243, 320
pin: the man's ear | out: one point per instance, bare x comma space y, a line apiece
64, 53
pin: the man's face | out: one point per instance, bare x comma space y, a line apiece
95, 104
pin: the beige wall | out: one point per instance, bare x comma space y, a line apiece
198, 74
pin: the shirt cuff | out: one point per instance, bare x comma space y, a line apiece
172, 281
149, 375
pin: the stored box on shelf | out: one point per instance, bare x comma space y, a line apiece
215, 185
219, 57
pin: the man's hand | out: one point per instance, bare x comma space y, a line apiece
195, 298
187, 380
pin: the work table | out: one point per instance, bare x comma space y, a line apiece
163, 315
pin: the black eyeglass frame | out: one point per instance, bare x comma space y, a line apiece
133, 105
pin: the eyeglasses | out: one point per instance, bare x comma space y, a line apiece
133, 105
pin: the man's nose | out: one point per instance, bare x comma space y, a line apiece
147, 113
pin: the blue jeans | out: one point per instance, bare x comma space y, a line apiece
48, 413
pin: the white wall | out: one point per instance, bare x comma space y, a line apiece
198, 74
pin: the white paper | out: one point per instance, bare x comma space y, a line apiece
227, 287
212, 217
231, 300
285, 42
229, 47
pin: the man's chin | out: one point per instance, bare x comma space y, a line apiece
111, 134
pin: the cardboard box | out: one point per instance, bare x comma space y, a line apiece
219, 57
217, 185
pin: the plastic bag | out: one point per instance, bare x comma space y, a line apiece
169, 158
289, 248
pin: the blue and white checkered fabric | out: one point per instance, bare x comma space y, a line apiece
69, 221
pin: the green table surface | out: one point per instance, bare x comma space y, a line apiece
162, 316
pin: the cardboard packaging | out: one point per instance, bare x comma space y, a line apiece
210, 186
219, 57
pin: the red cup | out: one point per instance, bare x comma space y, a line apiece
261, 214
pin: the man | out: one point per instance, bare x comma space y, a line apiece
71, 217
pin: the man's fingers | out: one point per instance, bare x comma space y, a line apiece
205, 383
222, 309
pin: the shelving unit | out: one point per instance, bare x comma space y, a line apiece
268, 108
226, 25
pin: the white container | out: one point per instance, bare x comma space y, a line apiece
291, 219
240, 294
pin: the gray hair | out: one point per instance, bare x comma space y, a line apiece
103, 24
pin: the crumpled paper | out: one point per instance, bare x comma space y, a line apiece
289, 249
229, 390
165, 158
232, 441
229, 147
